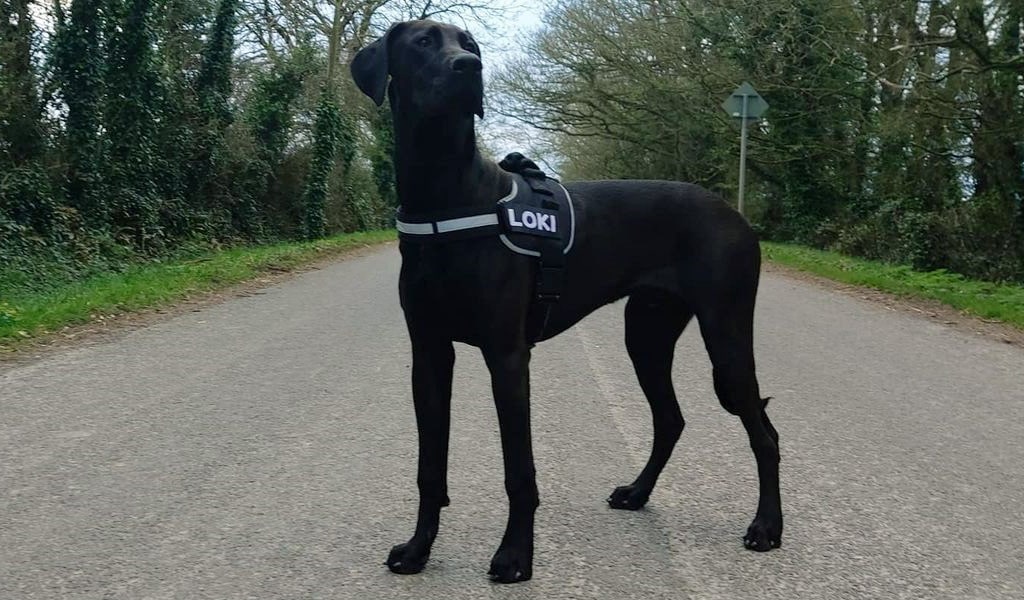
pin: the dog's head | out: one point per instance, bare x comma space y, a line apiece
435, 69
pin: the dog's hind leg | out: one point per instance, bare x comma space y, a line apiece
432, 367
653, 325
728, 336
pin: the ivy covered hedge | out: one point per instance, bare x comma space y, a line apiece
133, 130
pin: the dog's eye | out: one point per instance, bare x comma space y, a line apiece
424, 41
471, 47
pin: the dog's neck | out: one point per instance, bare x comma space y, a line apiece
439, 167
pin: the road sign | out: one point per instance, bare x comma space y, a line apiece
746, 105
755, 104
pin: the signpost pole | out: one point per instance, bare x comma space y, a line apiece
743, 152
746, 105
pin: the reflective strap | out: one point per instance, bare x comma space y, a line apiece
467, 223
447, 226
415, 228
488, 219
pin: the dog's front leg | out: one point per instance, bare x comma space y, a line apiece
432, 364
510, 380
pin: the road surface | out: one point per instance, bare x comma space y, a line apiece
265, 448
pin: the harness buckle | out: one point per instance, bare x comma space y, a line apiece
549, 283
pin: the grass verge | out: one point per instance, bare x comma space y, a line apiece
26, 315
1001, 302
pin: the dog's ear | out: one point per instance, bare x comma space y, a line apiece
479, 108
369, 67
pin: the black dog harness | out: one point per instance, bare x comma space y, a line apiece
536, 219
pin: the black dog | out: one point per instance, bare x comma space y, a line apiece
673, 248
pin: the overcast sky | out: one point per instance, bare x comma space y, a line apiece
501, 42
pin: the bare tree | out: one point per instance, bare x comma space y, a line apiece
276, 26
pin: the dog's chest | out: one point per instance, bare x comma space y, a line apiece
463, 288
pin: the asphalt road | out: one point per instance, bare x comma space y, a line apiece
265, 448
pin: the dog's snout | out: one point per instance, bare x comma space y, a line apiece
467, 63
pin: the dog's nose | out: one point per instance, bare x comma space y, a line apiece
467, 63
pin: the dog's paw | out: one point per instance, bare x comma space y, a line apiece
628, 497
764, 534
408, 558
511, 565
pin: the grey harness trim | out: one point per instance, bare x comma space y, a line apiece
484, 218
